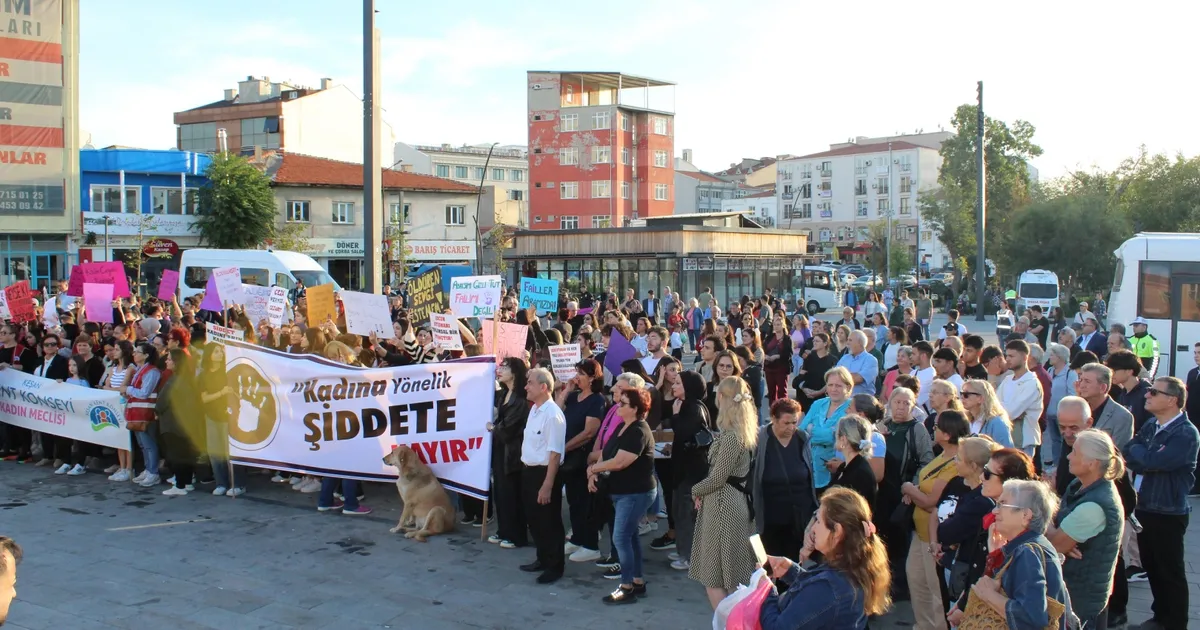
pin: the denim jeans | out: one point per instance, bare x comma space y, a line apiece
629, 509
1051, 438
149, 446
349, 488
657, 505
218, 456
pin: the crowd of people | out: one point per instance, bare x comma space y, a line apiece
1025, 482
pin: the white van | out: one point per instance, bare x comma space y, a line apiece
818, 289
1037, 287
260, 267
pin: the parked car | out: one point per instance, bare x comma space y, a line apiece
848, 278
868, 281
856, 269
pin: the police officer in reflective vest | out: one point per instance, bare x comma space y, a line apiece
1145, 345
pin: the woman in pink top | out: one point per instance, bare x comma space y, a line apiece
904, 365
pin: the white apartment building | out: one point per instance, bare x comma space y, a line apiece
762, 207
835, 196
698, 191
505, 176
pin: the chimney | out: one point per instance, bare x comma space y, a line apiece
229, 94
687, 155
326, 83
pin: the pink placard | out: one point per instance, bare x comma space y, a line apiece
97, 302
20, 302
75, 281
168, 284
106, 273
512, 340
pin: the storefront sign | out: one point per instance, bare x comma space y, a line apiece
773, 264
128, 224
335, 247
439, 250
689, 264
161, 248
721, 264
735, 264
706, 264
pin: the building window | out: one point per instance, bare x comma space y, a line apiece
568, 157
108, 199
624, 190
297, 212
860, 186
926, 235
862, 207
601, 189
456, 215
443, 170
826, 169
825, 188
660, 125
624, 122
601, 222
460, 172
806, 171
806, 190
568, 223
169, 201
569, 190
904, 209
787, 191
704, 194
601, 155
905, 163
498, 174
625, 155
479, 173
343, 212
198, 137
860, 166
885, 206
516, 175
602, 120
260, 132
825, 210
660, 159
395, 214
516, 195
661, 192
905, 184
570, 122
881, 185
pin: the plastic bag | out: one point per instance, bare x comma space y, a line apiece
745, 614
725, 609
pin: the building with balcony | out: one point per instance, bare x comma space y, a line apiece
762, 207
753, 172
836, 196
698, 191
325, 121
600, 149
504, 176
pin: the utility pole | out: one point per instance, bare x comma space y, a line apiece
478, 209
372, 171
887, 239
980, 210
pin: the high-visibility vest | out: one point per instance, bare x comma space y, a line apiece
1145, 347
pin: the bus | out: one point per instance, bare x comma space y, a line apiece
1158, 279
1037, 287
818, 288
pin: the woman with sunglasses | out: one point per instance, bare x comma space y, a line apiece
985, 412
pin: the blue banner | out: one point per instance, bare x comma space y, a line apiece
540, 294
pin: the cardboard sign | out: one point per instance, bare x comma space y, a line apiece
97, 302
167, 285
229, 284
221, 334
540, 294
425, 296
563, 360
20, 302
511, 340
50, 313
75, 281
445, 331
367, 313
475, 296
619, 351
212, 298
104, 273
321, 306
4, 314
256, 302
277, 306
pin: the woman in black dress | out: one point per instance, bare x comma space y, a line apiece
810, 382
853, 440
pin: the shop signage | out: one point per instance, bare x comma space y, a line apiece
128, 224
773, 264
335, 247
721, 264
706, 264
735, 264
161, 248
797, 263
689, 264
439, 250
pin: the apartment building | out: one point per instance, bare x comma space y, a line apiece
504, 175
762, 207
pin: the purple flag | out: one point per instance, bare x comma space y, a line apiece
212, 300
619, 351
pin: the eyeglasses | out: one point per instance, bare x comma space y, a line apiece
967, 394
988, 474
625, 403
1010, 506
50, 344
1154, 391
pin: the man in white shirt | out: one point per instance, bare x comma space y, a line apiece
656, 348
924, 372
1020, 394
945, 365
541, 452
953, 325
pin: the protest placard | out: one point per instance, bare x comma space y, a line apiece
511, 342
425, 296
563, 359
212, 298
540, 294
229, 284
277, 306
50, 313
97, 302
321, 306
95, 416
75, 281
3, 306
619, 351
367, 313
20, 302
104, 273
221, 334
475, 296
445, 331
167, 285
256, 302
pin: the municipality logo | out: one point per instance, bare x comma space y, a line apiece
102, 417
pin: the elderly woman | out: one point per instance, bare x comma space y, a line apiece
613, 422
909, 449
1028, 591
1089, 525
985, 412
820, 423
783, 492
902, 364
943, 396
1062, 384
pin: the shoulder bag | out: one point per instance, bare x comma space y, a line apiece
978, 615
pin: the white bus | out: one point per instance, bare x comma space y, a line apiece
1158, 278
1037, 287
819, 289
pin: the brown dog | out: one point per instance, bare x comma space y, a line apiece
426, 506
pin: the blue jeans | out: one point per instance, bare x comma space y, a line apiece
349, 488
693, 337
629, 509
218, 455
149, 446
1051, 438
657, 505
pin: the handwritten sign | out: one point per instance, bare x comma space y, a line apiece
4, 314
75, 281
168, 284
425, 296
321, 306
277, 306
475, 296
367, 313
20, 302
540, 294
563, 360
229, 284
104, 273
221, 334
511, 342
256, 302
445, 331
50, 314
97, 302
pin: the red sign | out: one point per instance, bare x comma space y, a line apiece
161, 248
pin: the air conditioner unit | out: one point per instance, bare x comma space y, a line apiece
895, 161
551, 218
537, 219
867, 163
874, 185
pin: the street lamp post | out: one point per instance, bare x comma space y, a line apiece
107, 254
478, 204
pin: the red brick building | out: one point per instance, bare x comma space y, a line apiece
595, 159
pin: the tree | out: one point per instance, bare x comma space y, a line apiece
952, 218
1160, 194
237, 207
292, 237
137, 257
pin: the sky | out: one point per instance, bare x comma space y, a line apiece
1098, 79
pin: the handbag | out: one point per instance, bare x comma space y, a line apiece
906, 512
978, 615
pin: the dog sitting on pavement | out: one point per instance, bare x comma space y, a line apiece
427, 507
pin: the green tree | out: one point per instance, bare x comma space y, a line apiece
290, 237
237, 207
1161, 194
952, 218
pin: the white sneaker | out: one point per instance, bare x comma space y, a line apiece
673, 556
507, 544
646, 528
295, 481
175, 492
171, 480
76, 471
310, 486
141, 477
278, 478
681, 565
585, 555
120, 475
494, 539
189, 487
570, 548
149, 481
112, 470
62, 470
235, 492
220, 491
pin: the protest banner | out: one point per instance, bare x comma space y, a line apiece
212, 297
367, 313
425, 296
277, 306
445, 331
167, 285
20, 302
307, 415
50, 313
75, 281
540, 294
3, 306
475, 296
619, 351
229, 284
95, 416
97, 302
256, 302
223, 334
104, 273
321, 306
512, 340
563, 360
